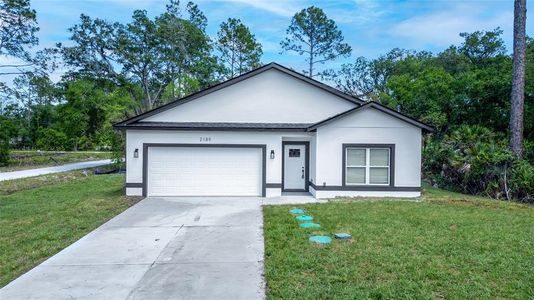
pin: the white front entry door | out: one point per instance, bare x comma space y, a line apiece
204, 171
295, 167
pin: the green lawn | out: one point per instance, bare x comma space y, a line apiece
21, 160
12, 186
37, 223
447, 246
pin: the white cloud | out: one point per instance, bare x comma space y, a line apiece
279, 7
367, 11
440, 29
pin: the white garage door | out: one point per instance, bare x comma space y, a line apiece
204, 171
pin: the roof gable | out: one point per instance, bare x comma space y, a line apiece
347, 101
379, 107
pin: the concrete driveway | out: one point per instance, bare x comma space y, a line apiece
161, 248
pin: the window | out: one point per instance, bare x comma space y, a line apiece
294, 152
369, 166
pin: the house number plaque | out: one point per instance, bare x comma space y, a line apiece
205, 139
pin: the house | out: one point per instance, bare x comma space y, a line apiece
269, 131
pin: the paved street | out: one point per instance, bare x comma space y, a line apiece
55, 169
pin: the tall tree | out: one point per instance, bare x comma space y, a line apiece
238, 48
479, 46
356, 78
368, 78
142, 55
313, 34
187, 49
147, 56
18, 26
518, 78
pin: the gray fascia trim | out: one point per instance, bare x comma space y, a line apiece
213, 127
209, 128
381, 108
391, 148
263, 148
366, 188
335, 117
235, 80
134, 184
403, 117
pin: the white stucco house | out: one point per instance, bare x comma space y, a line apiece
269, 131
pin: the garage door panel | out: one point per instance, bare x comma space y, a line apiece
204, 171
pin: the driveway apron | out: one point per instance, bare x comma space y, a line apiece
161, 248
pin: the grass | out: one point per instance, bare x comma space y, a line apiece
8, 187
22, 160
446, 246
37, 223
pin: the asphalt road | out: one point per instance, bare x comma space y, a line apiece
55, 169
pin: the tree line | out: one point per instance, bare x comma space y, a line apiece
115, 70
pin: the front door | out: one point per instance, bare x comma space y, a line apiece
295, 167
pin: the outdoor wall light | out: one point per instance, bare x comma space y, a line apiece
136, 153
272, 154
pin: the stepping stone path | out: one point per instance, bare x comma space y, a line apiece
318, 239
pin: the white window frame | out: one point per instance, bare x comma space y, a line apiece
367, 165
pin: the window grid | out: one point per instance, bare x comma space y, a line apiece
367, 166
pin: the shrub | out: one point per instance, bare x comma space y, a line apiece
4, 152
6, 131
528, 153
51, 139
475, 160
521, 183
118, 149
84, 143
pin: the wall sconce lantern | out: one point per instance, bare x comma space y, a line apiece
136, 153
272, 154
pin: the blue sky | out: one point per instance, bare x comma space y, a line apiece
370, 27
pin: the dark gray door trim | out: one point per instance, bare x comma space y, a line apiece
260, 146
307, 163
391, 164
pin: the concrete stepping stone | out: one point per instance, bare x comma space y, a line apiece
309, 225
342, 236
320, 239
297, 211
304, 218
